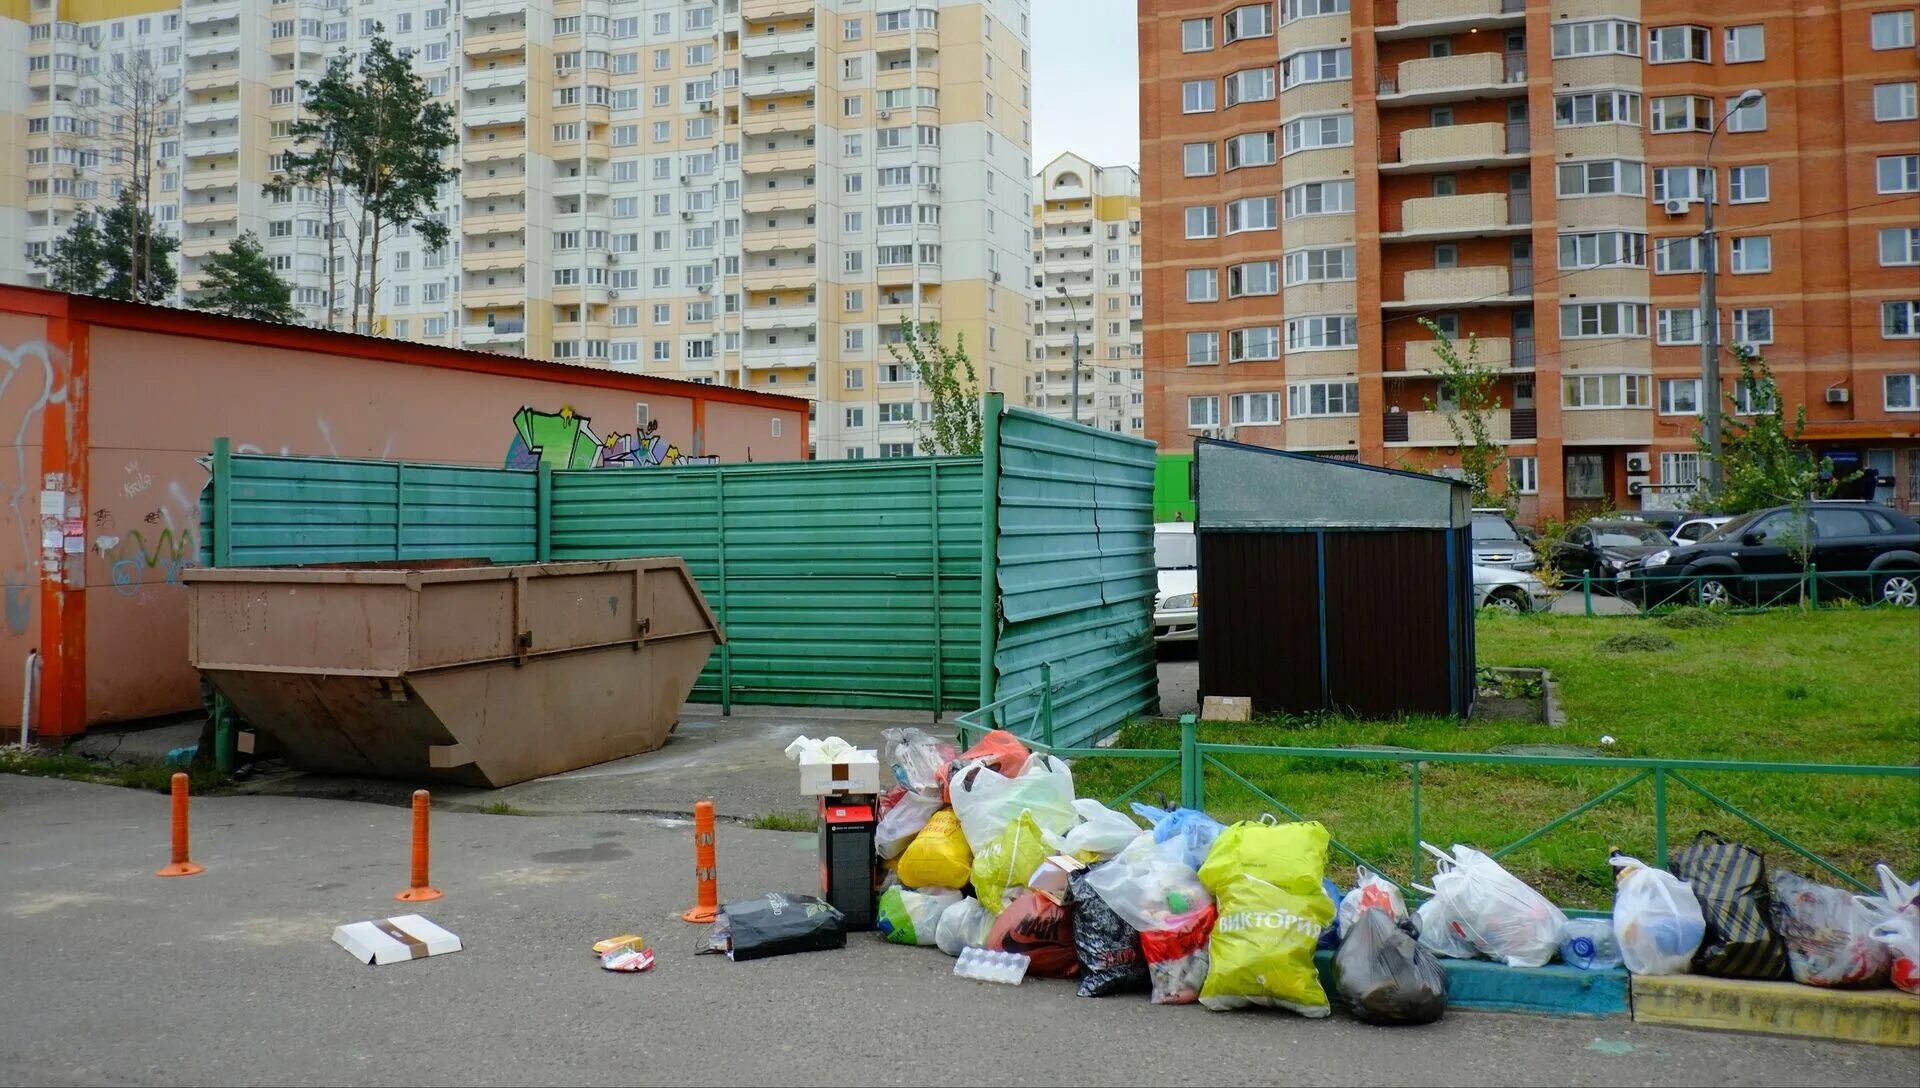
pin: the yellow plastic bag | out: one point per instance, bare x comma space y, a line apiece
938, 856
1265, 879
1000, 871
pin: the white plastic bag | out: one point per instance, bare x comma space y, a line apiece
1370, 890
1898, 909
1102, 832
1149, 884
1503, 918
986, 801
1441, 934
902, 822
1657, 919
966, 924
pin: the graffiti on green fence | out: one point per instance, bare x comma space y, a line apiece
566, 440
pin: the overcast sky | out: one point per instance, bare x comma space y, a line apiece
1086, 81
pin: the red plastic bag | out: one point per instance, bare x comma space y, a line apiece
1177, 958
1041, 930
999, 749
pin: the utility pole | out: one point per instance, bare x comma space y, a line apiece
1075, 311
1710, 306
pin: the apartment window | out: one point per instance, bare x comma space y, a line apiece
1596, 108
1897, 173
1199, 159
1524, 474
282, 96
1680, 325
1682, 183
1892, 29
1252, 85
1255, 278
1196, 35
1895, 102
1753, 254
1603, 177
1682, 113
1203, 222
1755, 398
1747, 184
1254, 409
1679, 255
1751, 117
1745, 44
1257, 344
1250, 21
1252, 213
855, 339
1203, 411
1203, 285
1680, 397
1203, 348
1323, 332
1308, 399
1753, 326
1675, 44
852, 260
1585, 391
1602, 249
1307, 133
1901, 392
1595, 36
1316, 66
1196, 96
1679, 470
626, 135
894, 255
1900, 320
1591, 319
1317, 198
1899, 246
1319, 265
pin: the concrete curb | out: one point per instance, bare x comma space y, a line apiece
1883, 1017
1554, 990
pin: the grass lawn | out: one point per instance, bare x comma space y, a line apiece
1833, 686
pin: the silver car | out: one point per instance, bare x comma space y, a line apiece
1496, 543
1509, 590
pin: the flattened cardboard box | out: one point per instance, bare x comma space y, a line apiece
390, 940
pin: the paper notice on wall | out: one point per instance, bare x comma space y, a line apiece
53, 504
75, 545
50, 538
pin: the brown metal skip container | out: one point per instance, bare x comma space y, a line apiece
454, 672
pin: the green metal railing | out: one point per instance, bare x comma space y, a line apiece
1193, 758
1810, 588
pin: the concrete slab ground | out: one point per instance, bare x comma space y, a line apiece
111, 976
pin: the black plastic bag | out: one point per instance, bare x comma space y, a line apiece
1730, 880
1387, 977
1108, 948
779, 923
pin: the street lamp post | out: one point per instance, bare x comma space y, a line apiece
1075, 311
1709, 305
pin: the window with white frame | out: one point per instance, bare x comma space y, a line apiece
1203, 411
1594, 319
1319, 265
1203, 348
1679, 325
1896, 101
1753, 326
1602, 177
1524, 474
1203, 222
1253, 278
1198, 160
1748, 184
1196, 96
1247, 21
1250, 85
1892, 30
1316, 66
1257, 344
1899, 246
1753, 254
1307, 9
1900, 320
1590, 391
1306, 400
1681, 113
1757, 397
1196, 35
1323, 332
1203, 285
1253, 409
1317, 198
1250, 149
1603, 249
1680, 396
1897, 174
1690, 183
1596, 108
1680, 470
1679, 255
1252, 213
1751, 117
1745, 44
1901, 392
1675, 44
1307, 133
1591, 37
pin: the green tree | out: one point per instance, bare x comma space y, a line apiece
317, 159
1763, 461
77, 261
953, 425
139, 258
1468, 402
392, 160
242, 283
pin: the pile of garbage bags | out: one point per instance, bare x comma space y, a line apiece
990, 848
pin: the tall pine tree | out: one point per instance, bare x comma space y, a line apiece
242, 283
76, 262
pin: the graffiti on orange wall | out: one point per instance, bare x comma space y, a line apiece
566, 440
136, 559
29, 382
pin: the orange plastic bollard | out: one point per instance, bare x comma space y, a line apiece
706, 872
182, 865
421, 891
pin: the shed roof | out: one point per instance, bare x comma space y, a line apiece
1251, 487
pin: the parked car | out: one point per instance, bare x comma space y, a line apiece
1666, 520
1176, 606
1861, 550
1600, 548
1508, 589
1526, 533
1696, 529
1496, 543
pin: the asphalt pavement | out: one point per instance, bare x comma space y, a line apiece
111, 975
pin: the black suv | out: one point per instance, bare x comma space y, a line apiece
1872, 552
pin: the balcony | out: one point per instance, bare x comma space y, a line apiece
494, 150
212, 79
1470, 216
217, 45
483, 115
779, 356
213, 11
773, 84
1322, 433
1450, 147
196, 215
485, 42
494, 296
762, 318
785, 160
225, 175
221, 112
476, 10
1421, 358
510, 221
497, 186
797, 277
205, 243
1433, 429
758, 46
1484, 285
223, 146
1463, 75
1434, 18
767, 123
1607, 427
493, 260
484, 79
500, 332
767, 240
797, 198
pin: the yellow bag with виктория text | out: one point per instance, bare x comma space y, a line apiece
1265, 879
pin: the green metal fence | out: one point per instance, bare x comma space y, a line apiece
1809, 588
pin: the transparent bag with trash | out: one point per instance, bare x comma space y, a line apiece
1195, 830
965, 924
1656, 918
902, 822
1828, 934
917, 759
1101, 832
1149, 883
1898, 910
1490, 909
1371, 891
986, 801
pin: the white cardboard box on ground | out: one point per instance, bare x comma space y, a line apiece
857, 773
390, 940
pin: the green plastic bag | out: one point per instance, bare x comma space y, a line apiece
1265, 879
909, 917
1001, 870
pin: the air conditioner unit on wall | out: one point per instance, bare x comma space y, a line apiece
1641, 463
1678, 207
1839, 396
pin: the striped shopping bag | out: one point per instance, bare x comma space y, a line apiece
1729, 878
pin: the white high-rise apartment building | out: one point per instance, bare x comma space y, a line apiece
1086, 268
749, 192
